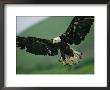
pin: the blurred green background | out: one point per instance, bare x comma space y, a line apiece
51, 27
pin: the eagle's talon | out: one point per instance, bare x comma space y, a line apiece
60, 61
72, 60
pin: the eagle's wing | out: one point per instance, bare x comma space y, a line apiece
77, 30
36, 46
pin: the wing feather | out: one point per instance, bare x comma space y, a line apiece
36, 46
77, 30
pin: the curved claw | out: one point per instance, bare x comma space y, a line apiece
71, 60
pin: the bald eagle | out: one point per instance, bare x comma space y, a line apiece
78, 28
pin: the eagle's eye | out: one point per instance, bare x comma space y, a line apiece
55, 41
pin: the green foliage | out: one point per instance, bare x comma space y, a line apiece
84, 67
27, 63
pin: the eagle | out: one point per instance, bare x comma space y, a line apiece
76, 32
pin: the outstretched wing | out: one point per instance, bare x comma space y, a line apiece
36, 46
77, 30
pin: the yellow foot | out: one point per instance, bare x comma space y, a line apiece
71, 60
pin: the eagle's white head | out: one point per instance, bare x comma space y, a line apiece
56, 40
